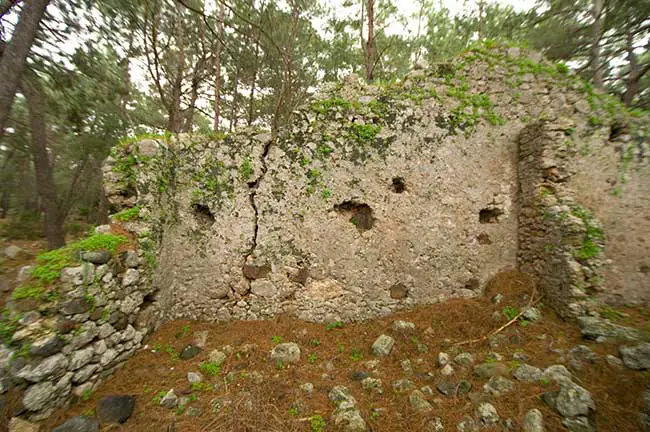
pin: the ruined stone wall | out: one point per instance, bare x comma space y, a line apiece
561, 242
65, 341
379, 198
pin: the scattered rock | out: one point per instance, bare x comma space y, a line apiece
403, 326
78, 424
201, 338
583, 353
636, 357
464, 359
217, 357
13, 251
596, 328
488, 370
403, 386
447, 388
527, 373
434, 425
189, 352
419, 402
448, 370
383, 346
286, 353
115, 409
340, 394
614, 361
307, 388
359, 375
487, 414
534, 421
194, 412
532, 314
170, 400
406, 366
573, 400
557, 373
194, 377
349, 420
498, 385
372, 385
443, 359
467, 424
578, 424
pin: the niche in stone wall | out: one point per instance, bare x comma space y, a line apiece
360, 214
202, 215
489, 215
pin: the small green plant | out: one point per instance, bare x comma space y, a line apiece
89, 413
85, 396
374, 415
200, 386
156, 399
611, 314
180, 409
569, 131
514, 364
293, 411
193, 397
326, 194
210, 368
127, 215
26, 292
314, 342
356, 354
341, 348
312, 358
317, 423
562, 68
415, 340
276, 339
595, 121
510, 312
172, 352
334, 325
246, 170
185, 330
279, 365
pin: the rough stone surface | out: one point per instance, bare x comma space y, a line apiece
20, 425
115, 409
527, 373
78, 424
383, 345
487, 414
418, 401
498, 385
286, 353
574, 400
534, 421
636, 357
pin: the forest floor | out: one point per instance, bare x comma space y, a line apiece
249, 392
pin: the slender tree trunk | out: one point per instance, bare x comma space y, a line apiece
251, 96
217, 69
596, 34
235, 101
54, 217
370, 42
175, 115
481, 23
14, 56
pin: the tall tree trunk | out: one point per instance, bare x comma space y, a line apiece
596, 34
175, 116
370, 42
54, 217
235, 101
217, 69
14, 56
636, 71
251, 96
481, 22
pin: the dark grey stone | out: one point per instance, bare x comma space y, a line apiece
189, 352
75, 306
96, 257
359, 375
115, 409
78, 424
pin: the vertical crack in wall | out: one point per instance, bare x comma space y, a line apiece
253, 185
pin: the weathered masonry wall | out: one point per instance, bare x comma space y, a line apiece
560, 241
68, 345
